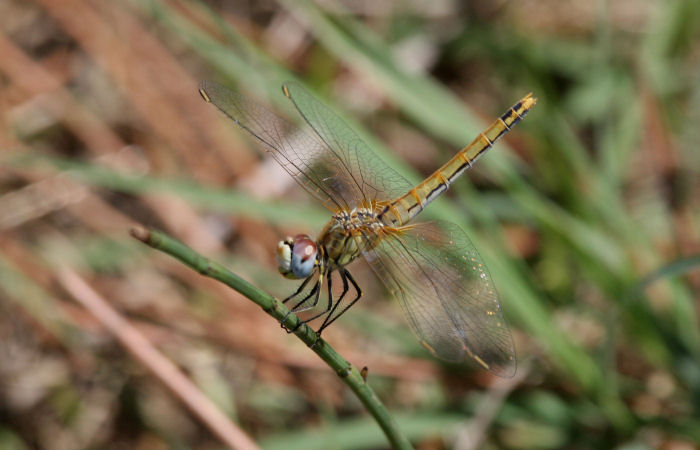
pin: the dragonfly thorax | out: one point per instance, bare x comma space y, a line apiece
357, 218
346, 229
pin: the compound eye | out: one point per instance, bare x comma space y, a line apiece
284, 257
303, 255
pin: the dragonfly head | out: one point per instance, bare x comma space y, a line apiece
296, 256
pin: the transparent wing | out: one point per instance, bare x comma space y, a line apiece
446, 293
329, 175
365, 175
302, 156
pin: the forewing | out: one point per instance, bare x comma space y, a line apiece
305, 158
366, 176
446, 292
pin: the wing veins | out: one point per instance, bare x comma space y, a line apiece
408, 257
407, 253
329, 147
278, 152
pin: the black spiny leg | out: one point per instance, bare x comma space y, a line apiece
316, 290
330, 297
329, 318
330, 303
301, 288
294, 308
314, 293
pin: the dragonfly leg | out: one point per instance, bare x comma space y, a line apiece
330, 298
318, 287
301, 288
318, 292
314, 293
296, 308
330, 317
330, 302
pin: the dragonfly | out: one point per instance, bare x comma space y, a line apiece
432, 268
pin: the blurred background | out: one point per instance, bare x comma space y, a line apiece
587, 215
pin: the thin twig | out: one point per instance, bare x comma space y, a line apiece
158, 364
346, 371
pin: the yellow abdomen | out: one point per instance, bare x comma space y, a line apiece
404, 208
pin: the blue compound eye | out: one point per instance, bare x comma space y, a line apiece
296, 257
304, 254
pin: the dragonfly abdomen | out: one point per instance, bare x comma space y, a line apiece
404, 208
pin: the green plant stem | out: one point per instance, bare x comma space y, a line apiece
346, 371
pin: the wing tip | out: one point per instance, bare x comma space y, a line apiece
506, 369
204, 95
204, 87
285, 90
502, 367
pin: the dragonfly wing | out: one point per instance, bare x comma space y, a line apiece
302, 155
367, 176
446, 293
